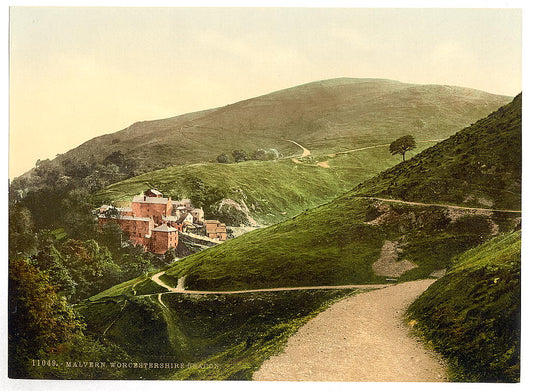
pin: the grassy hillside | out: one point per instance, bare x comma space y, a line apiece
270, 190
479, 166
215, 337
323, 116
472, 315
338, 243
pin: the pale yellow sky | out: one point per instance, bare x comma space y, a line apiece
76, 73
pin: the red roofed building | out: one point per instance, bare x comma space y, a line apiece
164, 237
154, 221
214, 229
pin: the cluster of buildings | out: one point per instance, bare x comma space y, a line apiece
154, 222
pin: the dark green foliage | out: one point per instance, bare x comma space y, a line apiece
472, 315
169, 256
260, 154
229, 215
269, 154
46, 334
222, 158
39, 319
22, 240
402, 145
239, 156
82, 268
202, 195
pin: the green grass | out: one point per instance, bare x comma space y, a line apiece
472, 315
479, 166
333, 244
271, 190
221, 337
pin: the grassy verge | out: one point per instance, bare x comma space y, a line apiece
472, 315
248, 329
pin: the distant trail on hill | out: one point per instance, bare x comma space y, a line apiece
443, 205
305, 151
361, 338
382, 145
180, 289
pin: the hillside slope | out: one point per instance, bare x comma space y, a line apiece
354, 239
340, 242
266, 191
479, 166
472, 315
321, 115
359, 239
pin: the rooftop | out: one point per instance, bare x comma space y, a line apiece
125, 217
154, 191
164, 228
150, 200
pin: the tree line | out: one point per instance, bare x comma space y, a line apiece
57, 258
240, 155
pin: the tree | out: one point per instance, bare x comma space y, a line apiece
39, 319
222, 158
22, 241
239, 156
260, 154
170, 255
402, 145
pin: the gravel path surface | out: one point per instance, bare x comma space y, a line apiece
361, 338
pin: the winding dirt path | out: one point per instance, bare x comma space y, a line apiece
361, 338
443, 205
305, 151
180, 288
379, 146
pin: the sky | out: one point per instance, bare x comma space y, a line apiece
77, 73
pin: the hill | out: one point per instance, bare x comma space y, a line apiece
262, 191
339, 242
322, 115
479, 166
356, 238
472, 315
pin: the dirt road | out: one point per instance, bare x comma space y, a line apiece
361, 338
180, 288
444, 206
305, 151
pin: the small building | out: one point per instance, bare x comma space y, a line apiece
154, 207
214, 229
137, 228
164, 237
153, 193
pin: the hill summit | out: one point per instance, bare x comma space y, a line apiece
322, 115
